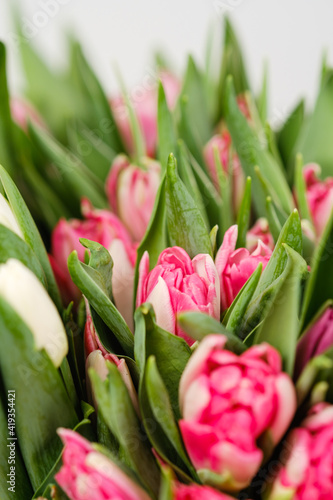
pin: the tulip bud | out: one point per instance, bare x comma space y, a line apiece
144, 103
27, 296
235, 266
259, 231
307, 459
88, 474
131, 191
23, 112
105, 228
178, 284
7, 217
96, 358
229, 160
319, 196
230, 405
316, 340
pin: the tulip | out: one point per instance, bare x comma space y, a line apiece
319, 196
228, 159
234, 267
27, 296
7, 217
316, 340
22, 112
105, 228
145, 107
231, 406
131, 191
196, 492
307, 459
259, 231
177, 284
97, 357
87, 474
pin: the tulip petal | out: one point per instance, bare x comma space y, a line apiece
197, 362
159, 298
286, 406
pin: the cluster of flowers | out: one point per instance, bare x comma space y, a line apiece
194, 356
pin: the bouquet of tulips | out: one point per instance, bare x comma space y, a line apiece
166, 286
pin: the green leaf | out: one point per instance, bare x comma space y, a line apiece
195, 112
232, 64
224, 180
53, 93
319, 287
316, 145
100, 259
289, 133
13, 247
244, 214
30, 233
165, 128
291, 235
300, 188
280, 326
211, 199
252, 153
186, 226
199, 325
89, 146
11, 464
7, 148
171, 352
187, 176
155, 238
236, 311
118, 412
273, 275
93, 92
263, 97
76, 175
91, 284
273, 219
166, 490
41, 401
162, 413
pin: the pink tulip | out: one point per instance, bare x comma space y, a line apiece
260, 231
144, 102
234, 267
105, 228
230, 405
307, 459
319, 196
177, 284
222, 142
315, 341
196, 492
87, 474
23, 112
131, 191
97, 356
229, 159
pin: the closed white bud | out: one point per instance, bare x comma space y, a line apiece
27, 296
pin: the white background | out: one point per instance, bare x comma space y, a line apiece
291, 34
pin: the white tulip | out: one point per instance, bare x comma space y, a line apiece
7, 217
27, 296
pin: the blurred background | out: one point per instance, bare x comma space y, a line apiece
291, 35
